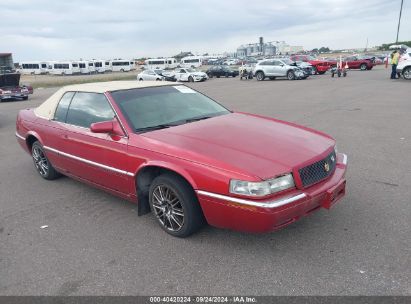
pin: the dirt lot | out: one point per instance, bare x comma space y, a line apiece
95, 243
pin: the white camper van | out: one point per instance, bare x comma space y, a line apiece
33, 67
76, 67
161, 63
191, 62
108, 66
120, 65
61, 68
100, 66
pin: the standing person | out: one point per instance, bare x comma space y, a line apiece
394, 62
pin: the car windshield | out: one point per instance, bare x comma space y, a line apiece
288, 61
149, 109
191, 70
158, 72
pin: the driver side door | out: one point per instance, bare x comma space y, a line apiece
99, 158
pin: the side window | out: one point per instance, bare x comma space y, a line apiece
87, 108
62, 107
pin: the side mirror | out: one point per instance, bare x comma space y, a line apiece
102, 127
111, 127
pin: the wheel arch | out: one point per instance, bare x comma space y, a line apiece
147, 173
31, 138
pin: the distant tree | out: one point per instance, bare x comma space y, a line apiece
324, 49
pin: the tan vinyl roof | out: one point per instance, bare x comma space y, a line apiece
46, 109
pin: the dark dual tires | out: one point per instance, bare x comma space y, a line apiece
172, 199
175, 205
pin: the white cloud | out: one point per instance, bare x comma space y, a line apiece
47, 30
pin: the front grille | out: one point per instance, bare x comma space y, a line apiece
316, 172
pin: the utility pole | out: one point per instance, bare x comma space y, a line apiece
399, 21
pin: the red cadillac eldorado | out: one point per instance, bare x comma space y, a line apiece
182, 156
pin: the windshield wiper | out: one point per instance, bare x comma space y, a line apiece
158, 127
196, 119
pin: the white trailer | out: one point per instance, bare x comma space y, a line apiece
33, 67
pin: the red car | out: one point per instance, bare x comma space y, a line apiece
10, 87
183, 156
319, 66
354, 62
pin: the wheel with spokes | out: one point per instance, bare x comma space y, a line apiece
175, 205
41, 162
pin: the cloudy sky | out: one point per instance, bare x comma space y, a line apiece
53, 30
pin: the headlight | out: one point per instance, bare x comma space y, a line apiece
262, 188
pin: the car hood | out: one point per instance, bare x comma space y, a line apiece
9, 80
242, 143
201, 74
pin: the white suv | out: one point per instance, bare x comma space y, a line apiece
404, 65
272, 68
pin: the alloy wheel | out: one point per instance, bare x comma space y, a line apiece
40, 161
167, 208
407, 73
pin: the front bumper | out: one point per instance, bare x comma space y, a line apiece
13, 95
267, 215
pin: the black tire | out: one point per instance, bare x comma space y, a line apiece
158, 79
314, 71
25, 97
41, 162
260, 76
210, 75
179, 219
218, 76
363, 67
321, 73
290, 75
141, 79
190, 79
406, 73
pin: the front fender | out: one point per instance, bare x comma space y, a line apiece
171, 167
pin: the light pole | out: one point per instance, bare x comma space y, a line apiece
399, 21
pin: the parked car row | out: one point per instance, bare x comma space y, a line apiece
180, 74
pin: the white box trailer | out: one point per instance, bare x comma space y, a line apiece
33, 67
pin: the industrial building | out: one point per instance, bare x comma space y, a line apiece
270, 48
